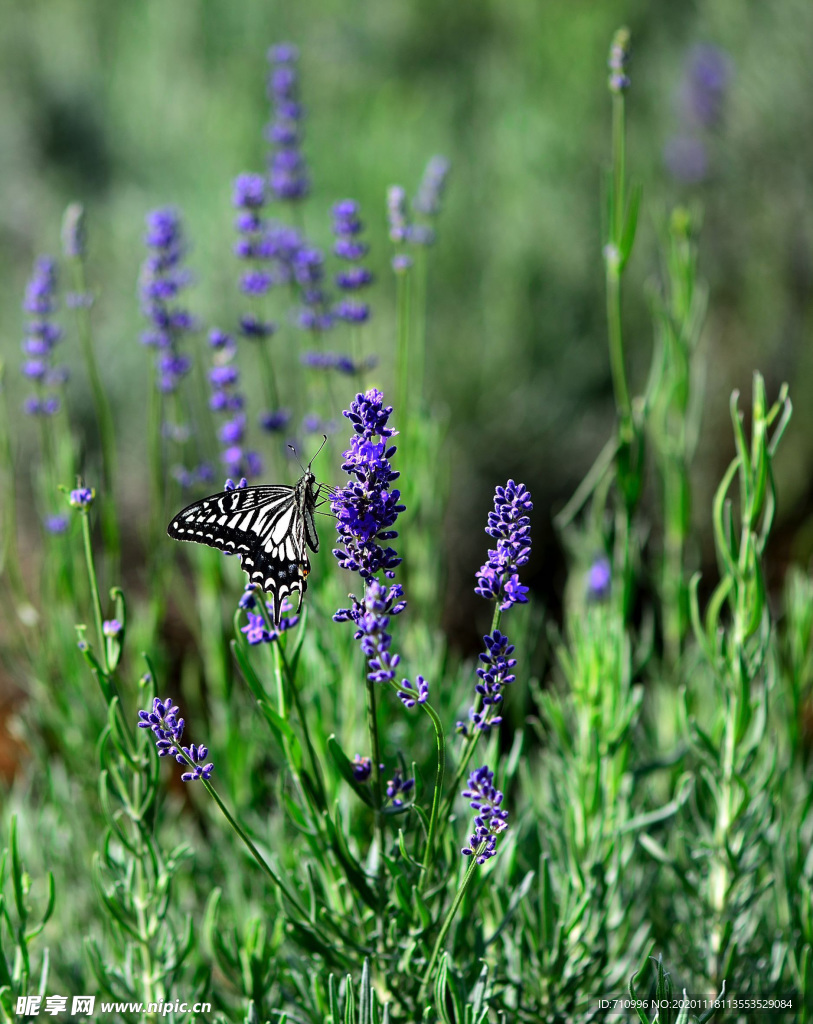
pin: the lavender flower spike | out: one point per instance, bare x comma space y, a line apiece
491, 819
366, 508
168, 728
498, 579
42, 334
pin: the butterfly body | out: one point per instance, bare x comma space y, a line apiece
269, 527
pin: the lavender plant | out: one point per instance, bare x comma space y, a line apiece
341, 848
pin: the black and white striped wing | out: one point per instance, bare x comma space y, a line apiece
264, 525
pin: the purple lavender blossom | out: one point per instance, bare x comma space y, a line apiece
347, 227
411, 695
82, 498
398, 787
287, 170
74, 234
56, 524
494, 673
256, 630
366, 508
42, 334
112, 628
274, 422
224, 377
705, 81
199, 770
315, 314
336, 361
491, 819
599, 579
371, 616
497, 579
168, 728
163, 278
617, 62
397, 215
431, 188
362, 767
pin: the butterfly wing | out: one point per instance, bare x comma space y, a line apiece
264, 525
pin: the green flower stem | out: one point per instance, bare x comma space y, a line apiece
378, 796
444, 931
438, 790
613, 263
283, 887
95, 599
104, 415
402, 356
316, 770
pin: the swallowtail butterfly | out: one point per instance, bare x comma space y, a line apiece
268, 526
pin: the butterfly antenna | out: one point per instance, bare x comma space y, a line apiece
321, 446
296, 456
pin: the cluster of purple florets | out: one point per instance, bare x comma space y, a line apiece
494, 673
617, 62
398, 787
287, 170
508, 524
371, 616
163, 278
168, 728
347, 227
404, 230
701, 101
367, 507
227, 401
42, 334
257, 625
491, 819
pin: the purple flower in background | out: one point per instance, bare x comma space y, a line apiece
287, 171
491, 819
42, 334
163, 278
227, 401
347, 227
497, 579
56, 524
367, 507
335, 361
617, 62
397, 214
112, 627
74, 234
256, 630
309, 272
599, 579
274, 422
705, 81
430, 190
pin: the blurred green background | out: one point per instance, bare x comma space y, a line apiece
128, 106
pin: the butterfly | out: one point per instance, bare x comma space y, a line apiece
268, 526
